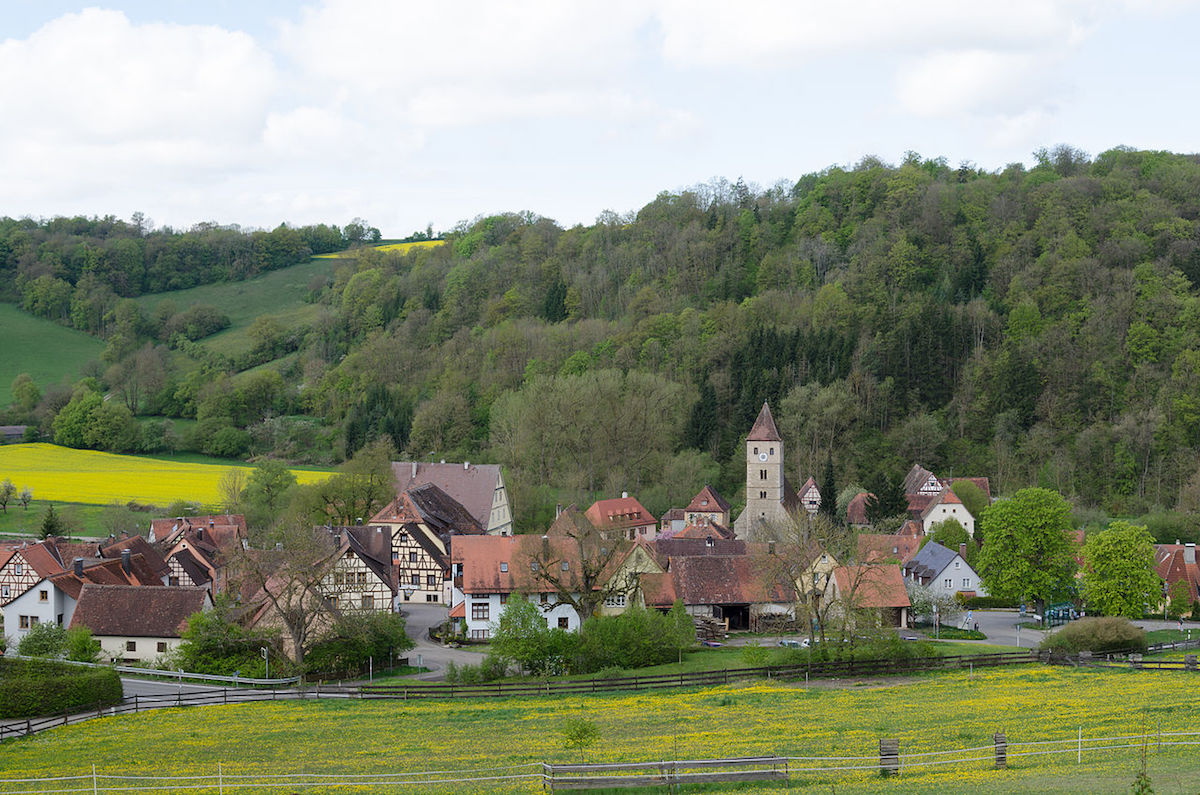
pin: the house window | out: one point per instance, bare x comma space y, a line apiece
415, 580
162, 646
130, 645
339, 579
566, 564
958, 564
431, 597
544, 597
395, 556
479, 634
762, 474
504, 565
412, 557
949, 583
772, 451
25, 622
60, 618
479, 611
615, 601
18, 569
533, 565
563, 623
756, 451
172, 581
4, 593
368, 602
43, 595
503, 598
333, 602
431, 581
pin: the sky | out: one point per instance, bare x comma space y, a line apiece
409, 115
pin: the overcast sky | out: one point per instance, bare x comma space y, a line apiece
261, 111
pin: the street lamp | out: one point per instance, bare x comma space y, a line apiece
266, 657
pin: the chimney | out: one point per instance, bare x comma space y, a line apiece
1189, 554
962, 550
624, 495
78, 567
466, 466
558, 510
770, 547
414, 469
126, 559
546, 547
199, 533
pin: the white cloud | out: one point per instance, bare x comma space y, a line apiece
948, 84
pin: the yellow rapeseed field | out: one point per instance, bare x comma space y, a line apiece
401, 247
88, 476
933, 713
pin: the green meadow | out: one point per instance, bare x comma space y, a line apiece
49, 352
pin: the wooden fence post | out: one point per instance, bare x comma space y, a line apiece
889, 757
1001, 750
1189, 662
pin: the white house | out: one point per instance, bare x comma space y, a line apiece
487, 570
944, 571
947, 505
41, 604
136, 623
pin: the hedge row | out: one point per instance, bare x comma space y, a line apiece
32, 688
984, 602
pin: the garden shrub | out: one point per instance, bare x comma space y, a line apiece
1097, 635
32, 688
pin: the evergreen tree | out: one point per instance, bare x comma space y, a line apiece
702, 426
52, 523
887, 498
829, 491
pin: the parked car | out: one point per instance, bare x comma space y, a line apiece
792, 643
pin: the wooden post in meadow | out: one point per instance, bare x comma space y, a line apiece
1189, 662
889, 757
1001, 750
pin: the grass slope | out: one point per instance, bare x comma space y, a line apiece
279, 293
933, 713
47, 351
92, 477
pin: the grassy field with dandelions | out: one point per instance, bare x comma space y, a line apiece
930, 713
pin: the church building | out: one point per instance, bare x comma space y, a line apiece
771, 503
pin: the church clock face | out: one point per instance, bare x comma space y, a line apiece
762, 456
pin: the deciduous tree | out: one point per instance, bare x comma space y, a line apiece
1028, 552
1118, 571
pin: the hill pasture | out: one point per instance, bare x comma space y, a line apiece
50, 353
96, 478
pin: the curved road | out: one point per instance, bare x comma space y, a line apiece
434, 656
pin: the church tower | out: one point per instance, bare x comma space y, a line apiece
766, 486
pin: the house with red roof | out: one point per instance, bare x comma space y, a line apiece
1177, 563
623, 518
707, 504
947, 505
135, 624
810, 496
872, 593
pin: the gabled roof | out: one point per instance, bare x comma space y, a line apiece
916, 478
672, 515
658, 590
481, 558
42, 558
811, 483
373, 545
192, 566
707, 500
856, 511
701, 530
571, 522
931, 561
131, 611
873, 586
619, 513
728, 579
419, 533
672, 547
885, 547
219, 530
1171, 564
472, 485
764, 429
108, 572
944, 497
138, 546
459, 610
443, 513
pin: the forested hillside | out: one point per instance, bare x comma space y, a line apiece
1040, 326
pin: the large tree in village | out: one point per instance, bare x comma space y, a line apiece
1029, 553
1118, 571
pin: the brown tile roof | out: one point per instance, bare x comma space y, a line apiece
883, 547
875, 585
619, 513
707, 500
672, 515
131, 611
745, 579
1170, 563
459, 610
192, 566
472, 485
5, 554
220, 530
672, 547
764, 429
373, 545
443, 513
917, 477
856, 511
139, 546
481, 558
571, 522
42, 558
701, 530
108, 572
658, 590
918, 503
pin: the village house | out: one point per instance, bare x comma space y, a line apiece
810, 496
359, 576
136, 624
1177, 563
674, 520
623, 518
946, 505
477, 487
872, 593
709, 505
197, 548
422, 523
886, 547
943, 571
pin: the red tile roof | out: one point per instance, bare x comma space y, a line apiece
1171, 565
619, 513
856, 511
881, 547
729, 579
658, 590
764, 429
459, 610
701, 530
876, 585
132, 611
707, 500
43, 559
481, 558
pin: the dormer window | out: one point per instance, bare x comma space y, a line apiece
708, 541
504, 565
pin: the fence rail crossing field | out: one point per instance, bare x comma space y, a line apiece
657, 772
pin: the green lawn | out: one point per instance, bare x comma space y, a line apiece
936, 713
18, 521
279, 293
51, 353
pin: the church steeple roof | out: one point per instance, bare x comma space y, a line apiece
764, 429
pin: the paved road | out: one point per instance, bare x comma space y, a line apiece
419, 618
131, 686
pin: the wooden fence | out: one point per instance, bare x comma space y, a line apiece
664, 773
